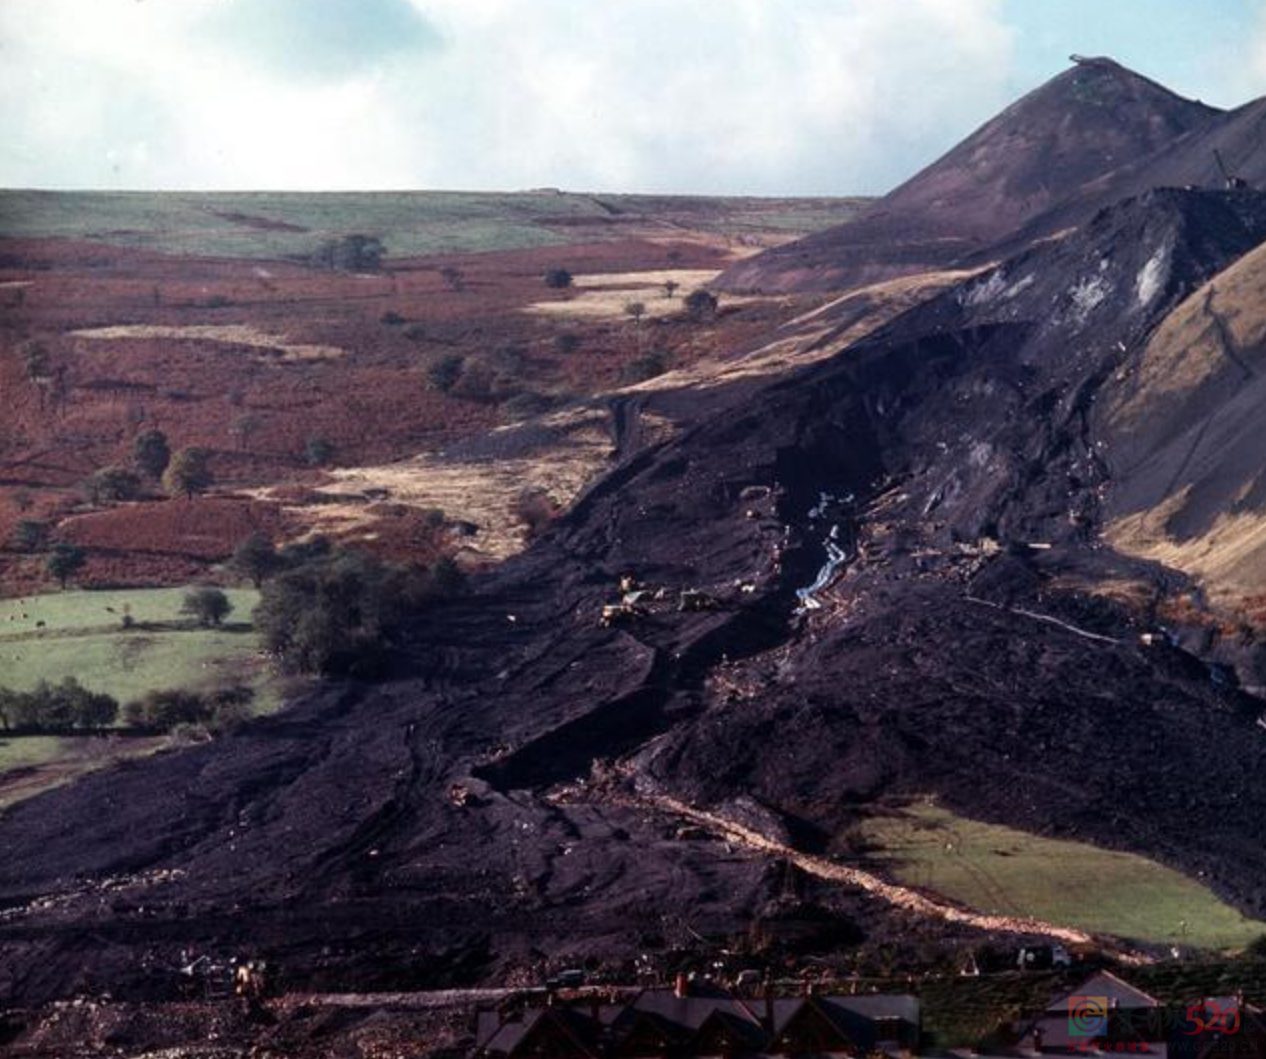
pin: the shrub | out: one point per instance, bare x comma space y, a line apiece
165, 710
318, 452
480, 383
209, 606
536, 509
190, 713
701, 305
66, 561
188, 473
646, 367
391, 318
558, 279
444, 374
30, 534
415, 333
510, 358
527, 404
567, 343
112, 484
151, 453
350, 253
452, 275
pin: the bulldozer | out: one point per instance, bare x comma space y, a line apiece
621, 613
692, 601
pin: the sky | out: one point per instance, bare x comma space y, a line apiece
764, 97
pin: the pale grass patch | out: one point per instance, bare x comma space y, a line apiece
1186, 349
482, 492
1229, 558
606, 296
883, 301
224, 334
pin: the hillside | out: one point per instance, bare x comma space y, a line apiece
1185, 444
898, 541
1050, 147
271, 225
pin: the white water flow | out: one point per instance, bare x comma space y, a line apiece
836, 556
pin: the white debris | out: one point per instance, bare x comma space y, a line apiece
1152, 278
1087, 296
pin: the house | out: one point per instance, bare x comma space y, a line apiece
1072, 1021
1106, 1015
701, 1020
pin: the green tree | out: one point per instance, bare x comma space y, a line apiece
84, 708
701, 305
209, 606
351, 253
151, 452
30, 534
66, 561
444, 374
255, 559
188, 473
112, 485
558, 279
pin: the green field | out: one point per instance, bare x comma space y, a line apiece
409, 223
999, 870
83, 637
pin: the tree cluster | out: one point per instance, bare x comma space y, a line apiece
350, 253
341, 612
56, 708
213, 712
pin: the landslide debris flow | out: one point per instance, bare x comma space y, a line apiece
948, 655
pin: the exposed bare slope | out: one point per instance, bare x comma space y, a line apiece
1186, 437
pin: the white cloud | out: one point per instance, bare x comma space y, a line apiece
1259, 47
808, 96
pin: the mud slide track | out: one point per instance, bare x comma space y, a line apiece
898, 896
